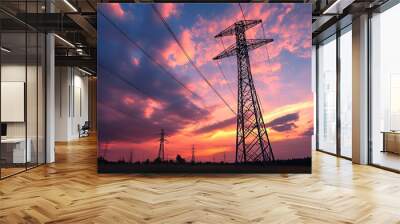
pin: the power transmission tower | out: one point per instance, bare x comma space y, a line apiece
130, 157
252, 141
105, 151
193, 157
161, 149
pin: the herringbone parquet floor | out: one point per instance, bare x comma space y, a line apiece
70, 191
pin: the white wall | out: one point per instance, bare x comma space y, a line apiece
62, 82
33, 127
314, 91
80, 110
17, 73
71, 102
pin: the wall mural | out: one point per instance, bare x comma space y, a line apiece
204, 88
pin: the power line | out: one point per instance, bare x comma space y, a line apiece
149, 56
223, 74
266, 47
230, 58
223, 45
132, 85
127, 82
269, 59
252, 141
116, 109
240, 6
263, 32
226, 80
190, 60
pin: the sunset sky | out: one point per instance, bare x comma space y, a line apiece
130, 119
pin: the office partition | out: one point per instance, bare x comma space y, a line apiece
22, 88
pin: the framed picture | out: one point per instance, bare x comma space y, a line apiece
204, 88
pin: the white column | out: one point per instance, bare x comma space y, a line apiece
50, 93
62, 103
314, 91
50, 99
360, 90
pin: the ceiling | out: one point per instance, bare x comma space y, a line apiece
75, 21
332, 15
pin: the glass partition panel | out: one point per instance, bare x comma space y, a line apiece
14, 153
41, 99
22, 88
31, 98
327, 96
346, 93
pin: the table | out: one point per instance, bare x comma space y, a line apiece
391, 141
13, 150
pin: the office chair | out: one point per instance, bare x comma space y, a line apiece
84, 130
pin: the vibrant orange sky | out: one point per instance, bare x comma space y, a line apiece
137, 98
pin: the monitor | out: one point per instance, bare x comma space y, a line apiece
3, 129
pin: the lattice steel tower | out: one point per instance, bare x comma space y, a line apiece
161, 149
193, 156
252, 141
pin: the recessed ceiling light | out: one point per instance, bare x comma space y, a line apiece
70, 5
5, 50
338, 6
64, 40
84, 71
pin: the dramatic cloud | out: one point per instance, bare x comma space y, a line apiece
168, 9
284, 123
144, 90
216, 126
173, 55
309, 131
170, 110
135, 61
117, 9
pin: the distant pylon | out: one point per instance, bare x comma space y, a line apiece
161, 149
193, 156
130, 157
105, 151
252, 141
224, 156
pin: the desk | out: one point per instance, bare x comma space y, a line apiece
391, 141
13, 150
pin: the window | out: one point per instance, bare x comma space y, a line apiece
346, 92
385, 89
327, 96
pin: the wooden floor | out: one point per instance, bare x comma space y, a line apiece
70, 191
387, 159
5, 172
